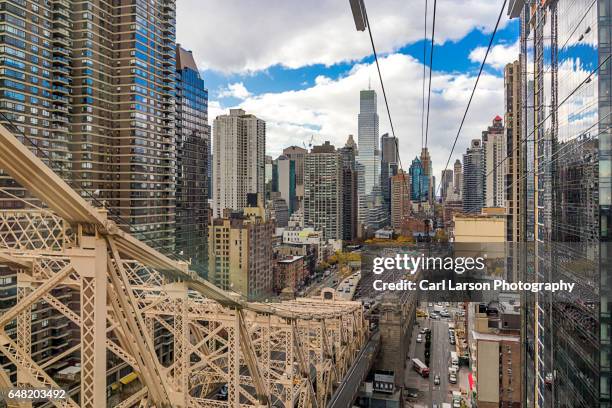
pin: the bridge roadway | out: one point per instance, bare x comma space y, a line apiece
345, 394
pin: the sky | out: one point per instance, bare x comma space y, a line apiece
300, 65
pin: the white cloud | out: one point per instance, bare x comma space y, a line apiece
328, 110
246, 36
499, 56
235, 90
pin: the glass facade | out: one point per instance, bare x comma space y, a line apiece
192, 152
565, 47
419, 182
368, 158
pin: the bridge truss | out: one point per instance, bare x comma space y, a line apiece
283, 354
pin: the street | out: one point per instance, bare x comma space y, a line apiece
428, 392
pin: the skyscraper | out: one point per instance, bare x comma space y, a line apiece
514, 181
323, 197
419, 184
473, 178
427, 175
239, 145
100, 111
494, 147
297, 154
389, 167
286, 171
192, 151
458, 177
349, 190
92, 85
447, 183
565, 75
400, 199
368, 160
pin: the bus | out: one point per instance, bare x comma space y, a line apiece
420, 367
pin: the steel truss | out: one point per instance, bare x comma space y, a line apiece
283, 354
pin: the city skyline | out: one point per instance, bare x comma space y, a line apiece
165, 244
300, 97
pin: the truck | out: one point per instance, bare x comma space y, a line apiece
456, 399
454, 359
420, 367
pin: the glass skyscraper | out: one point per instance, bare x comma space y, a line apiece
368, 159
419, 182
566, 90
192, 152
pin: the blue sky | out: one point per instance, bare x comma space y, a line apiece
452, 56
300, 67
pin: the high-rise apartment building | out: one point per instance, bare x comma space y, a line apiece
239, 153
389, 166
368, 160
514, 180
348, 154
446, 183
94, 88
297, 154
566, 90
323, 196
400, 199
192, 150
473, 178
240, 252
268, 175
286, 181
494, 147
92, 84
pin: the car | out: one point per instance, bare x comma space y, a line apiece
412, 393
452, 379
430, 304
425, 330
437, 380
456, 404
419, 339
452, 341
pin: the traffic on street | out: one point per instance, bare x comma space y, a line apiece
434, 377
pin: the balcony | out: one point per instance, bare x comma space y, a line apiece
61, 4
60, 79
61, 22
59, 118
61, 51
59, 128
61, 61
60, 99
60, 90
58, 31
58, 70
60, 108
61, 12
61, 40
